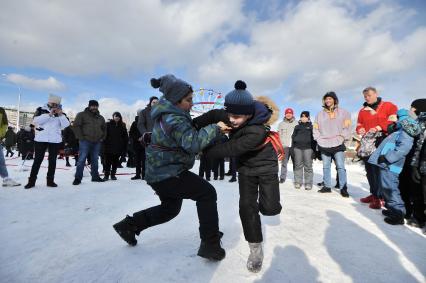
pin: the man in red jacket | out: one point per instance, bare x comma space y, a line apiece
375, 116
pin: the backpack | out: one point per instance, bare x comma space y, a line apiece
274, 138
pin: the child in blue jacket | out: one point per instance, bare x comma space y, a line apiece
390, 157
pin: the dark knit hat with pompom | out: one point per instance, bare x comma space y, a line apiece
239, 101
174, 89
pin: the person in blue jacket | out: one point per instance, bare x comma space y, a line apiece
390, 157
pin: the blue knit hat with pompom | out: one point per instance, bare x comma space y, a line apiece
239, 101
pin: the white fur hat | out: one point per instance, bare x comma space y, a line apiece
54, 99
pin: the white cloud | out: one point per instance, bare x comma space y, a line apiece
323, 46
49, 84
80, 37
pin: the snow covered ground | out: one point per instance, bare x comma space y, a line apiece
64, 234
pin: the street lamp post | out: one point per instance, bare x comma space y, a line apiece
19, 104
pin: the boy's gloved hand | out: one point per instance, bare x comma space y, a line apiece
382, 159
415, 175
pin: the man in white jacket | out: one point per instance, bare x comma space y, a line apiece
49, 121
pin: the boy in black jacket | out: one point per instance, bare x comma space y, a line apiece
257, 162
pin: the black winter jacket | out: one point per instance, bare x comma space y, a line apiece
69, 138
302, 137
245, 143
145, 122
116, 138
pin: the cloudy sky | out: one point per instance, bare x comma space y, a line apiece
292, 51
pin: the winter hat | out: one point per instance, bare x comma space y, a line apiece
305, 113
333, 95
174, 89
289, 111
54, 99
408, 124
93, 103
118, 114
239, 101
420, 105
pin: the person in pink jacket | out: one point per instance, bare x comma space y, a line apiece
332, 128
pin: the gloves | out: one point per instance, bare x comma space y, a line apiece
415, 175
146, 138
382, 159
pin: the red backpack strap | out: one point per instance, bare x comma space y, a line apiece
274, 138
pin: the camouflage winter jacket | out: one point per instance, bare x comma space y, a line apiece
174, 142
419, 158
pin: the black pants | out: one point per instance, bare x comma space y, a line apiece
205, 167
257, 193
219, 168
140, 161
233, 167
111, 163
40, 149
412, 195
9, 150
171, 192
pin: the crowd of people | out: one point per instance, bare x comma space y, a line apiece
164, 141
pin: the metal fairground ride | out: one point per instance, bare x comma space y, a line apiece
205, 100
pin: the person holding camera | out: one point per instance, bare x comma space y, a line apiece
49, 121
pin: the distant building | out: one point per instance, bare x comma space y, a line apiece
25, 118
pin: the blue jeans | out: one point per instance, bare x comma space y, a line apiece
86, 148
389, 186
339, 159
3, 169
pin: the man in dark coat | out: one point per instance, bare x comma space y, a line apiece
89, 128
115, 145
145, 124
70, 144
138, 149
10, 141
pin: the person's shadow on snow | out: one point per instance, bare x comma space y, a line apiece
410, 243
359, 252
289, 264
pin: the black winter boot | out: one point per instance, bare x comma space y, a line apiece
344, 192
211, 248
106, 176
127, 230
113, 177
394, 220
51, 183
325, 190
31, 183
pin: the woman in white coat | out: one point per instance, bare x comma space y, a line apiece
49, 121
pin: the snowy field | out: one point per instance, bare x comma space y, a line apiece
65, 234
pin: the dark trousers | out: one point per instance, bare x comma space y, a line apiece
233, 167
219, 168
412, 195
257, 194
111, 163
40, 149
140, 161
9, 150
172, 192
205, 167
373, 177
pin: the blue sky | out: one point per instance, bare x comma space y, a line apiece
292, 51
